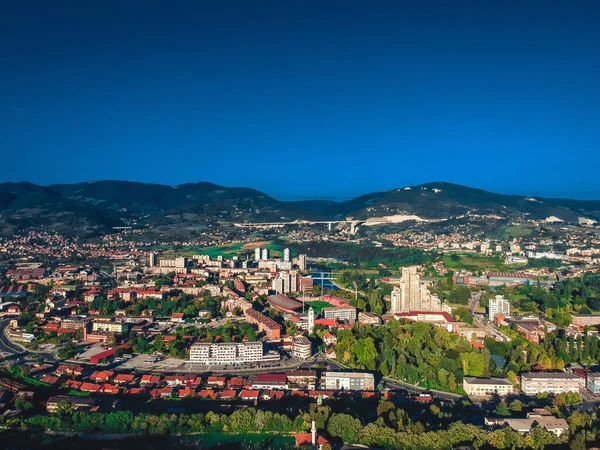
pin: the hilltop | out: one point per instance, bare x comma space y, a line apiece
93, 208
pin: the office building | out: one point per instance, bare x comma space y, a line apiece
349, 381
483, 387
498, 306
341, 314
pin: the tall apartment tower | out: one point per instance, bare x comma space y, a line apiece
498, 306
286, 254
257, 254
411, 292
265, 254
278, 285
152, 260
396, 306
302, 263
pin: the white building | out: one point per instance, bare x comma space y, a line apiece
482, 387
412, 295
265, 253
302, 263
533, 383
286, 254
257, 254
226, 352
341, 314
349, 381
498, 306
301, 347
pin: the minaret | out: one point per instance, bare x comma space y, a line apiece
311, 320
313, 430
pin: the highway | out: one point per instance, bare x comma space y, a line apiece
7, 346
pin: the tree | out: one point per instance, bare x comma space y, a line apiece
502, 409
345, 427
578, 442
516, 405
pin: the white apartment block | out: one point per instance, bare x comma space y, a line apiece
226, 353
533, 383
498, 306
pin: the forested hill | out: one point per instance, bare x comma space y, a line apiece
95, 207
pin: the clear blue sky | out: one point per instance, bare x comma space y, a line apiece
304, 98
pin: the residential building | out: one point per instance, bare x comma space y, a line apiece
586, 320
413, 295
498, 306
367, 318
533, 383
226, 353
271, 328
257, 254
286, 254
593, 382
265, 254
481, 387
349, 381
302, 263
301, 347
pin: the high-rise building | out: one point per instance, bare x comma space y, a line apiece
152, 259
498, 306
265, 254
279, 285
286, 254
412, 295
302, 263
411, 291
257, 254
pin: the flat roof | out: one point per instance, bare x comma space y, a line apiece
488, 381
544, 375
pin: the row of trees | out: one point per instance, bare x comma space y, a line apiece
391, 428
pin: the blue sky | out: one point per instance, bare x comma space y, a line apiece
304, 98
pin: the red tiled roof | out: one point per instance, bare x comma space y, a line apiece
228, 393
247, 393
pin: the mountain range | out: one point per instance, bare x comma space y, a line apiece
93, 208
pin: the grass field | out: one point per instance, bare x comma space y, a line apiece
522, 230
477, 262
318, 306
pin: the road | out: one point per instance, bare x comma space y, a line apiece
7, 346
474, 302
397, 384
